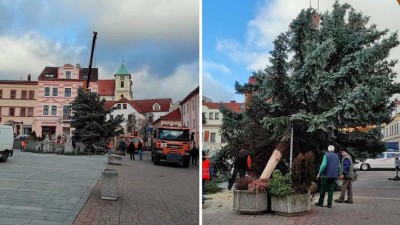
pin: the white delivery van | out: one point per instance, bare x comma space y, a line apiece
6, 142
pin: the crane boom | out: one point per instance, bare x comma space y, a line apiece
91, 59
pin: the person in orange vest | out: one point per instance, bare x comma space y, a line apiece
206, 171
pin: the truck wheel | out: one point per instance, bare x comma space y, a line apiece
156, 161
4, 157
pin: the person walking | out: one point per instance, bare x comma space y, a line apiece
194, 153
140, 148
131, 150
241, 165
109, 146
347, 176
329, 172
123, 146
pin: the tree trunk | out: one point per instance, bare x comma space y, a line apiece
280, 149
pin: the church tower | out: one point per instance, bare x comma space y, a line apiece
123, 84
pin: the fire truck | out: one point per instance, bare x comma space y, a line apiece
171, 144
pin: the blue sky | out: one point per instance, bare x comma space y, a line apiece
158, 40
237, 36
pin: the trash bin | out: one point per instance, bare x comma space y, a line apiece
109, 185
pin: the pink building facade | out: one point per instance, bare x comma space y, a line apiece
57, 89
190, 114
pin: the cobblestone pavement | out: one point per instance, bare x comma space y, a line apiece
46, 188
376, 201
147, 195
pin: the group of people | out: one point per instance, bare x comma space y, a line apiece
126, 146
331, 169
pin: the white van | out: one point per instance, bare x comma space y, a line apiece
6, 142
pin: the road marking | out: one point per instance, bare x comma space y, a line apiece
378, 198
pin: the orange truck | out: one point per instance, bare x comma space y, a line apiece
171, 144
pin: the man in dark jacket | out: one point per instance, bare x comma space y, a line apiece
347, 175
240, 166
329, 172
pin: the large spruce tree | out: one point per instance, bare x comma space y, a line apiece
327, 80
89, 120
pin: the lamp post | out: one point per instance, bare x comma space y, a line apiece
291, 145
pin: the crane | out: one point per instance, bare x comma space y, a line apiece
86, 82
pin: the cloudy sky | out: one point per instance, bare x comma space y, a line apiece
238, 35
158, 40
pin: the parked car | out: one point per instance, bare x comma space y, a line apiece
384, 160
6, 142
22, 136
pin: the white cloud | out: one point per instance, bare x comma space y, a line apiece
176, 86
31, 53
215, 90
207, 65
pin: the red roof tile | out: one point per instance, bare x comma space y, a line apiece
108, 105
106, 87
174, 115
146, 105
233, 106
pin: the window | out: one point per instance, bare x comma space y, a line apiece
217, 116
13, 94
67, 92
210, 116
22, 112
111, 117
68, 74
118, 106
1, 93
66, 111
122, 83
45, 110
12, 111
30, 111
124, 106
183, 110
31, 94
23, 95
212, 139
193, 125
46, 91
223, 139
204, 118
55, 91
53, 110
156, 106
193, 104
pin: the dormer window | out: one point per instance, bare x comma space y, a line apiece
67, 74
156, 107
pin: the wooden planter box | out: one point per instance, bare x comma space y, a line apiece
249, 202
291, 205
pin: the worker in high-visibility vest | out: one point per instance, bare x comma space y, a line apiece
206, 171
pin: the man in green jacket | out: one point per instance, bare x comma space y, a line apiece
329, 172
347, 175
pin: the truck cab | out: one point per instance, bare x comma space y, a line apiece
6, 142
171, 144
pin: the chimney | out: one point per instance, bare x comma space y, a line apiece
29, 77
78, 65
233, 101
